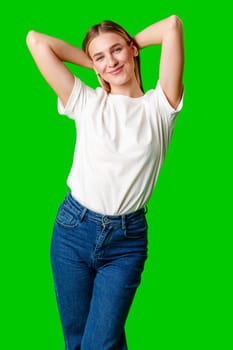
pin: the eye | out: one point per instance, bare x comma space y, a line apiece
117, 49
99, 58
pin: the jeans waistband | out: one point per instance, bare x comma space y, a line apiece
105, 219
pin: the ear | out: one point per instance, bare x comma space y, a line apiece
134, 49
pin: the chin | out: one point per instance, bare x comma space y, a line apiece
119, 81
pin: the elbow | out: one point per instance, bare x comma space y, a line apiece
174, 23
31, 38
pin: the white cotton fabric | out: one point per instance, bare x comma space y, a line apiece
120, 147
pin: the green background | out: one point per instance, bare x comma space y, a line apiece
185, 299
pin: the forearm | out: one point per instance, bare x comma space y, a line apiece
64, 51
155, 33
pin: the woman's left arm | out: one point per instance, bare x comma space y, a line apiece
168, 33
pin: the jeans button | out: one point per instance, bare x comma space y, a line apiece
106, 219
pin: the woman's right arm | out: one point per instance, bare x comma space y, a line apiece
49, 54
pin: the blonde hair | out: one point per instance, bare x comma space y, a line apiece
105, 27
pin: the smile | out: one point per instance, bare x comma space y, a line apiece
116, 71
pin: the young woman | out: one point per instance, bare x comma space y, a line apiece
99, 242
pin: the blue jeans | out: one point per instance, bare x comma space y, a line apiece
97, 261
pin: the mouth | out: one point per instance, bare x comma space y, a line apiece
116, 71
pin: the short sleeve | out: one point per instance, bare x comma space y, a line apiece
77, 100
165, 105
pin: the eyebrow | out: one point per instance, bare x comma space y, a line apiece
111, 47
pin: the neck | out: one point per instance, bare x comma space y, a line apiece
127, 92
130, 90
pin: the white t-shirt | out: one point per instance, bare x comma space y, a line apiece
120, 147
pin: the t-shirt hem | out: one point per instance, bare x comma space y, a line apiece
71, 100
167, 104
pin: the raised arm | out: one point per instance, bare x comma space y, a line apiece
168, 33
49, 54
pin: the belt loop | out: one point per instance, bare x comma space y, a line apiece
145, 209
123, 219
82, 214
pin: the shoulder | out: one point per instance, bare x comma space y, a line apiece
80, 95
158, 100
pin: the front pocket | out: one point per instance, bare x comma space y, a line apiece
136, 228
66, 217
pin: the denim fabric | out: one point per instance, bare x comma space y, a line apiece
97, 262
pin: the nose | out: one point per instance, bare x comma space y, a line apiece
112, 61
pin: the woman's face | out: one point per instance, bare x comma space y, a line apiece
113, 59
